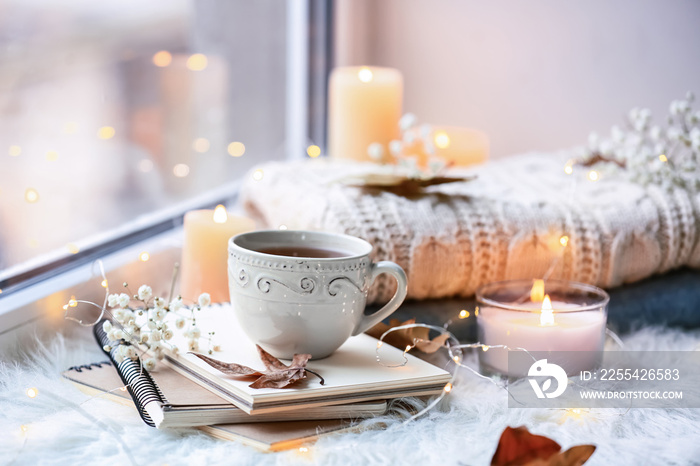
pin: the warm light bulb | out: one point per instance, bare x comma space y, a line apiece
448, 387
547, 314
31, 195
564, 240
72, 302
32, 392
663, 158
181, 170
313, 151
236, 149
408, 348
568, 169
162, 59
201, 145
283, 227
379, 344
537, 291
52, 156
144, 256
104, 283
197, 62
15, 151
220, 214
72, 248
593, 175
106, 132
463, 314
303, 449
442, 140
258, 175
365, 75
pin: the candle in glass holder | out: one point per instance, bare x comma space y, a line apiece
204, 267
552, 316
364, 107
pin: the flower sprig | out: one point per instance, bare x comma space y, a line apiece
649, 154
414, 153
145, 321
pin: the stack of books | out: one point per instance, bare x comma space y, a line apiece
184, 391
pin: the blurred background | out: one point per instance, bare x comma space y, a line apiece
112, 111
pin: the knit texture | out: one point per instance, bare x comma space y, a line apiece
506, 224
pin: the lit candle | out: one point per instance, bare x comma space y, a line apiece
205, 252
460, 146
574, 321
364, 107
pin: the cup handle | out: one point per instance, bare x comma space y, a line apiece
402, 288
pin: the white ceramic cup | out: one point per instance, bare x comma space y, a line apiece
291, 305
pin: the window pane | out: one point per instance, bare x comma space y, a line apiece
112, 110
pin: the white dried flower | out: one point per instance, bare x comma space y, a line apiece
204, 300
118, 334
407, 121
158, 354
375, 151
112, 300
156, 345
193, 345
112, 335
593, 140
106, 326
107, 348
157, 314
156, 335
426, 131
123, 300
673, 108
149, 364
118, 358
395, 147
146, 337
145, 292
409, 137
673, 133
151, 324
634, 114
429, 148
689, 96
617, 134
130, 352
436, 164
167, 334
176, 304
655, 133
118, 314
180, 322
158, 302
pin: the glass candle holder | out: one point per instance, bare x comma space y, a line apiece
553, 316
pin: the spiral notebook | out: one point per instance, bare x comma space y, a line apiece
164, 398
100, 379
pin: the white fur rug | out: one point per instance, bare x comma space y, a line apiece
64, 426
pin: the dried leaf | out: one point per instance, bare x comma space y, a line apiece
418, 336
277, 375
518, 446
401, 185
574, 456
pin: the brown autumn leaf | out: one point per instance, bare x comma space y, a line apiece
415, 336
518, 446
277, 375
401, 185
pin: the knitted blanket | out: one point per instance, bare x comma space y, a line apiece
511, 222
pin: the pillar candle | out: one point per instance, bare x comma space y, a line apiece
460, 146
204, 266
364, 106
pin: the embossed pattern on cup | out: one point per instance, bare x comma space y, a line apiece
294, 305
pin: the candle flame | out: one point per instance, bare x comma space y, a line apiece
537, 291
365, 75
547, 315
220, 214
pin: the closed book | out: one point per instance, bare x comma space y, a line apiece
358, 371
164, 398
100, 379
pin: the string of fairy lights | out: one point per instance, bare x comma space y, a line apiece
455, 349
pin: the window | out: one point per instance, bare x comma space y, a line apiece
112, 113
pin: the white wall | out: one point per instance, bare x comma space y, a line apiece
536, 74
